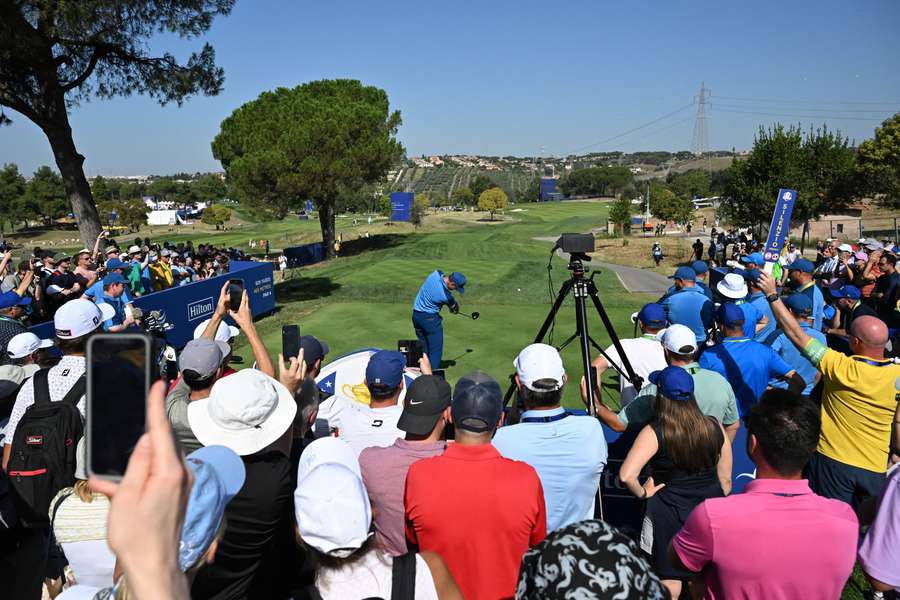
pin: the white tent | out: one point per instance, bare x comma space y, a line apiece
162, 217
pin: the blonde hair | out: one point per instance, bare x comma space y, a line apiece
84, 491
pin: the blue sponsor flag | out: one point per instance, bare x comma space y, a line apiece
781, 224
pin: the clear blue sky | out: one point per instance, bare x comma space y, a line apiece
486, 77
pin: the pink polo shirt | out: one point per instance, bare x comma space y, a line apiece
776, 540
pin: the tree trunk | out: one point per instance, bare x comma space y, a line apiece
804, 235
70, 164
326, 222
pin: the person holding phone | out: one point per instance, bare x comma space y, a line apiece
433, 295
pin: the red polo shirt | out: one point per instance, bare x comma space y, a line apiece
480, 512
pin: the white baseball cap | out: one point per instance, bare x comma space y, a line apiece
679, 339
845, 248
331, 504
245, 411
133, 250
733, 286
539, 361
79, 317
25, 344
223, 334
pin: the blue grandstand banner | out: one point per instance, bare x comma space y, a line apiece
781, 224
401, 205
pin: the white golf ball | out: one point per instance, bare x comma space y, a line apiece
518, 289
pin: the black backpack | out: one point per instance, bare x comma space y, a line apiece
44, 450
403, 581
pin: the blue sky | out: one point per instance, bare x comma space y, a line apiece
511, 77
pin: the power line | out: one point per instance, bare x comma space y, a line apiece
660, 130
638, 128
805, 108
790, 101
771, 114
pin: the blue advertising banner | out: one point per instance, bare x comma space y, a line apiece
188, 305
781, 224
401, 205
305, 255
548, 188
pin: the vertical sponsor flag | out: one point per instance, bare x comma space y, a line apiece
780, 227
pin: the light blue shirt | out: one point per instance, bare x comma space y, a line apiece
792, 356
95, 292
568, 454
690, 307
818, 302
118, 305
433, 294
751, 317
758, 300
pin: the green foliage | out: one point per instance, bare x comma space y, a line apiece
384, 205
316, 140
492, 200
878, 163
818, 164
620, 213
419, 208
667, 206
693, 183
532, 192
47, 193
209, 188
462, 196
14, 205
216, 214
596, 181
479, 184
100, 190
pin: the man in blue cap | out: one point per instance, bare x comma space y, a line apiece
847, 300
689, 306
701, 269
426, 317
113, 265
753, 261
800, 275
113, 290
801, 309
747, 365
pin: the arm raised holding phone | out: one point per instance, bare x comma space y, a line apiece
243, 317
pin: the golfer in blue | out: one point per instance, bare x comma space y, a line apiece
426, 317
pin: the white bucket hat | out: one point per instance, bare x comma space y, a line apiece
733, 286
245, 411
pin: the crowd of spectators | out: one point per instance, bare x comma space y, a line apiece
258, 484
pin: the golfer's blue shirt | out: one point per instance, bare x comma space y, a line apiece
792, 356
119, 305
747, 365
758, 300
433, 294
95, 292
690, 307
568, 454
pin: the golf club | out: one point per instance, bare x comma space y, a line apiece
474, 316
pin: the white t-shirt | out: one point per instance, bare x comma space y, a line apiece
371, 577
282, 262
360, 425
645, 355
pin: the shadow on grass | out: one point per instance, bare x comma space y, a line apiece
376, 242
300, 289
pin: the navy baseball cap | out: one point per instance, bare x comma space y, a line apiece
756, 258
799, 303
460, 280
477, 403
653, 315
847, 291
801, 264
115, 263
700, 267
113, 278
313, 348
731, 314
674, 383
385, 368
685, 273
752, 275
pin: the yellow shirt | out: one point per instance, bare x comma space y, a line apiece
858, 403
161, 274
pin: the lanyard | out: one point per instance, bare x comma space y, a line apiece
549, 419
874, 363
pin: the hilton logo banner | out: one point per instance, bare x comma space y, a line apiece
781, 224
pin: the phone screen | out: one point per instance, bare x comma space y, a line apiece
412, 350
118, 378
290, 341
439, 373
235, 293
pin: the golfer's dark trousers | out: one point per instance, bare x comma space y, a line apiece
430, 331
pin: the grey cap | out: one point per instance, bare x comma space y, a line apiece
203, 356
164, 252
477, 403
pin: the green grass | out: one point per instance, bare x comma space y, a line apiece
366, 299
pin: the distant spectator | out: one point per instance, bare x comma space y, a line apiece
27, 350
733, 287
252, 414
135, 265
553, 570
880, 551
757, 299
801, 280
85, 266
363, 426
848, 300
63, 285
568, 452
503, 497
689, 305
644, 353
859, 398
778, 539
690, 461
11, 316
887, 290
713, 393
161, 272
426, 412
116, 266
701, 270
801, 310
113, 292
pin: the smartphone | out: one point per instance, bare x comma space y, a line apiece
119, 374
235, 293
412, 350
290, 341
439, 373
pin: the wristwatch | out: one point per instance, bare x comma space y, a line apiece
772, 298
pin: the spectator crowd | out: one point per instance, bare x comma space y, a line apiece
258, 484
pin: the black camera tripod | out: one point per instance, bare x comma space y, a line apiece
581, 287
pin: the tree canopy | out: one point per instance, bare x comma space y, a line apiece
462, 196
217, 214
620, 213
878, 163
47, 193
316, 141
12, 197
54, 55
596, 181
480, 183
492, 200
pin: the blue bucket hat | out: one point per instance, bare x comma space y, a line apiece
460, 280
801, 264
799, 303
674, 383
847, 291
685, 274
700, 267
731, 315
218, 476
385, 368
653, 315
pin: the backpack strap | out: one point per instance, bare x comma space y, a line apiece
76, 391
41, 387
56, 506
770, 339
403, 573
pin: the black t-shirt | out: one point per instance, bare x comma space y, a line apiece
9, 328
861, 310
889, 286
247, 562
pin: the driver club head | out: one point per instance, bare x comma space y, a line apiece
475, 315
